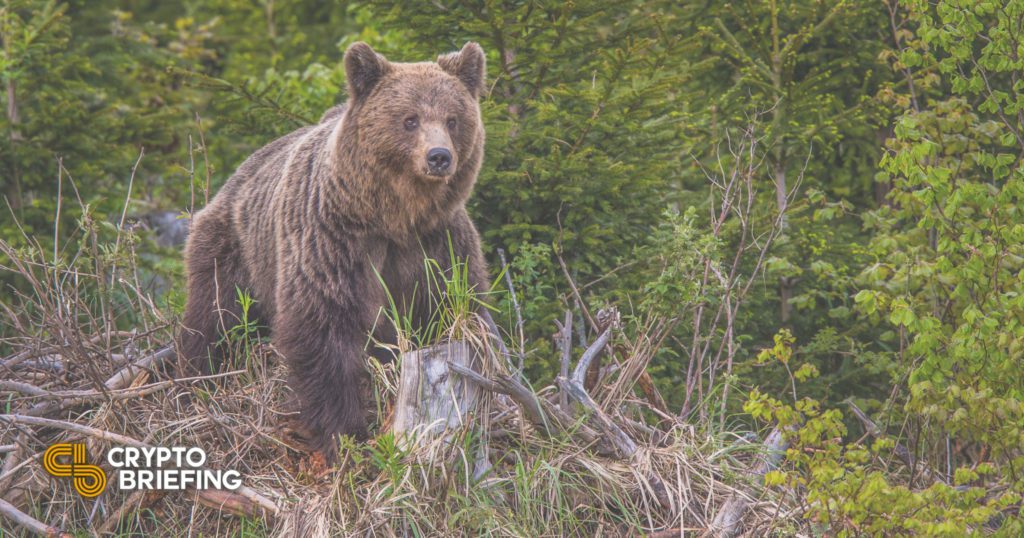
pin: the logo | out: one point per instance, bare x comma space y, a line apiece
139, 468
89, 480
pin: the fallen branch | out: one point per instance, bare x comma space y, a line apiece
624, 444
71, 398
607, 437
547, 419
532, 406
13, 461
72, 427
126, 375
52, 363
115, 387
14, 360
26, 521
237, 503
24, 388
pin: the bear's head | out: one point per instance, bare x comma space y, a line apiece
419, 122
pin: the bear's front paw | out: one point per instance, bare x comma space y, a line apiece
327, 448
315, 465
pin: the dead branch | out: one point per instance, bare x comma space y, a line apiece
71, 398
25, 521
72, 427
12, 361
546, 418
728, 520
134, 503
624, 445
565, 345
582, 371
605, 319
24, 388
126, 375
605, 434
236, 503
899, 449
13, 461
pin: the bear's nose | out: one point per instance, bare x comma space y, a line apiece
439, 159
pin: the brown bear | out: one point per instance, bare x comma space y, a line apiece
314, 221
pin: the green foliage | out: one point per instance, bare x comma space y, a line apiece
453, 306
849, 489
811, 69
241, 336
572, 138
670, 261
947, 280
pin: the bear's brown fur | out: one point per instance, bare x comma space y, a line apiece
308, 222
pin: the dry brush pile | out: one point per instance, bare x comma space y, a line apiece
597, 452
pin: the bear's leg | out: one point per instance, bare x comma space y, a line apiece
214, 267
325, 354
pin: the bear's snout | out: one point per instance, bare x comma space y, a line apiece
439, 160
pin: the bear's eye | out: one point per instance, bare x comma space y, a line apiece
451, 124
411, 123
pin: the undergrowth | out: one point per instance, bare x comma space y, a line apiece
77, 324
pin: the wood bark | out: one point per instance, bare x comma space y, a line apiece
28, 522
430, 399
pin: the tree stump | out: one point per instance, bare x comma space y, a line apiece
431, 399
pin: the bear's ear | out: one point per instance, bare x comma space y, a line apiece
468, 65
363, 68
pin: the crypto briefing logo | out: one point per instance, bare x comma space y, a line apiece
139, 468
89, 480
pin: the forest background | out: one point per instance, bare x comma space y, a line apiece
874, 256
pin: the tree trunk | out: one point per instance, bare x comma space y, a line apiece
430, 399
14, 195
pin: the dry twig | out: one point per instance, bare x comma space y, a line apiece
26, 521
